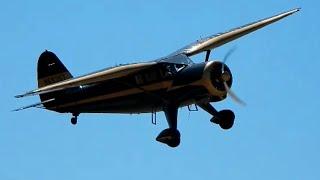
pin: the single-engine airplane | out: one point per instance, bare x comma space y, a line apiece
164, 84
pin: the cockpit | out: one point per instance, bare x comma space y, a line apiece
177, 59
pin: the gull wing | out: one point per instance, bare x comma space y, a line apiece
97, 77
219, 39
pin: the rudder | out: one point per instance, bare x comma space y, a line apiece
51, 70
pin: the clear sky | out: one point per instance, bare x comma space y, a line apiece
276, 136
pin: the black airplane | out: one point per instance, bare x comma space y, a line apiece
164, 84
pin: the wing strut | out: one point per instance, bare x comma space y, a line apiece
207, 55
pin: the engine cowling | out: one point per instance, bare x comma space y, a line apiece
214, 75
208, 75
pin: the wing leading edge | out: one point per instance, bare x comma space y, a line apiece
219, 39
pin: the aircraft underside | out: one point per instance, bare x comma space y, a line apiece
142, 102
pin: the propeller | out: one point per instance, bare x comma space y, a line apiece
225, 76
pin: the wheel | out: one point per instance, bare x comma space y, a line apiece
171, 137
174, 142
226, 119
74, 120
175, 138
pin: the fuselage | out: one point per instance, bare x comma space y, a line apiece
147, 90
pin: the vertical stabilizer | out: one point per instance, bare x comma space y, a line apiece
50, 70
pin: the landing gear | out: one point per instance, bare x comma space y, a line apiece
74, 119
170, 136
224, 118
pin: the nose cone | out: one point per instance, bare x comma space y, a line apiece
225, 76
218, 76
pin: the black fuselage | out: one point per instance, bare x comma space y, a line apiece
148, 90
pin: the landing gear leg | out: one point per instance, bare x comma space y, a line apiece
74, 119
170, 136
224, 118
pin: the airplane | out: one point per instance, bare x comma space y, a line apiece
164, 84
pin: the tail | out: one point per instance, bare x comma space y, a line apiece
50, 70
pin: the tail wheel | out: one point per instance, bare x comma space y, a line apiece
74, 120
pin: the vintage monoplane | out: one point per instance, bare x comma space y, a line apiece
164, 84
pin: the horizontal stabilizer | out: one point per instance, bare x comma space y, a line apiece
37, 105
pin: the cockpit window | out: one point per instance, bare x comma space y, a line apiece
171, 69
177, 59
179, 67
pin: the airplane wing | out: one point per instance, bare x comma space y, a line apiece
192, 49
104, 75
219, 39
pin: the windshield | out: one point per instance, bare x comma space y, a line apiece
177, 59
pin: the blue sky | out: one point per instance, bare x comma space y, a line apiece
275, 71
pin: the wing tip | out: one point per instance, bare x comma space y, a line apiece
16, 110
22, 95
18, 96
296, 9
30, 93
292, 11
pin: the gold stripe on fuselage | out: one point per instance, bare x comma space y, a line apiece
53, 79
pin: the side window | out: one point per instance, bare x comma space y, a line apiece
153, 75
169, 70
179, 67
139, 79
150, 76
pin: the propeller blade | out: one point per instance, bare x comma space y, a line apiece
233, 95
226, 57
